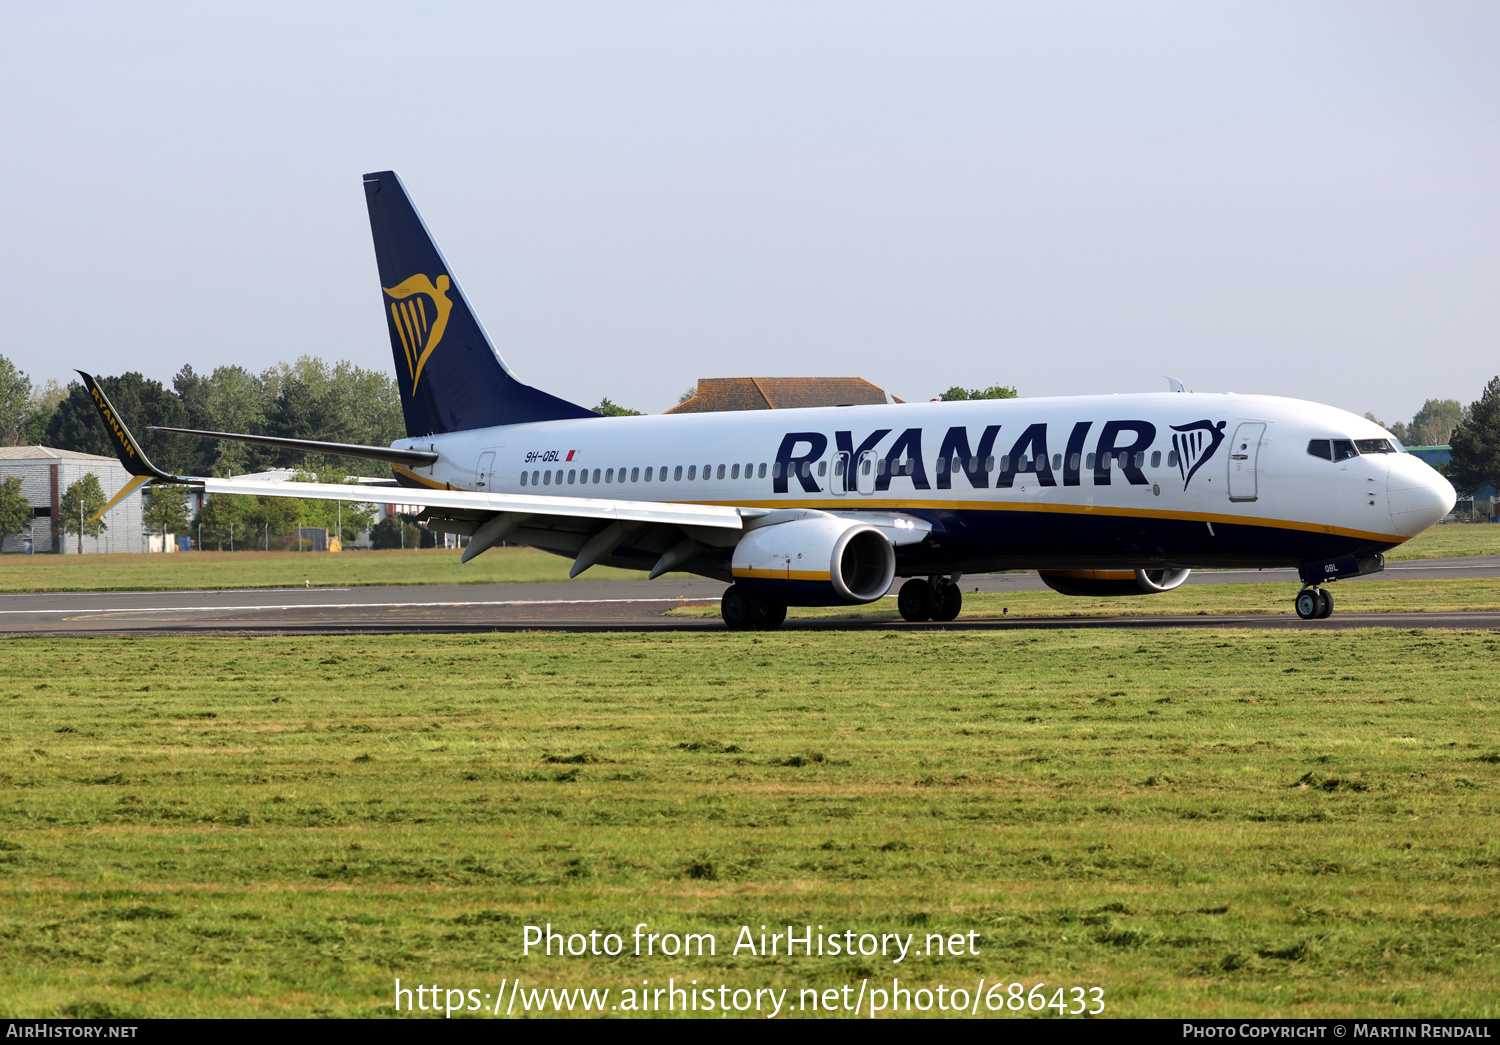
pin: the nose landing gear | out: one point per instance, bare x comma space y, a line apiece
1314, 603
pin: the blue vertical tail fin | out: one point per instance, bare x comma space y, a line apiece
450, 376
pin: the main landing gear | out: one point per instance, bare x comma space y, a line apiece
1314, 603
742, 613
938, 598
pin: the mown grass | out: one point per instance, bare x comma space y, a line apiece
1207, 823
192, 571
211, 570
1361, 595
1450, 540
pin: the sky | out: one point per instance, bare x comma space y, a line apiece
1073, 198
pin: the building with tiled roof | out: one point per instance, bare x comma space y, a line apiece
715, 394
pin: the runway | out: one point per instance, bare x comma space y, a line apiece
585, 605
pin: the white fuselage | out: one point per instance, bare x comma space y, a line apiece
1136, 480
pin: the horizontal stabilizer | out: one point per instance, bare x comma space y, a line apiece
390, 454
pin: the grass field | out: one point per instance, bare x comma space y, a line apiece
1363, 595
205, 570
1199, 822
1449, 541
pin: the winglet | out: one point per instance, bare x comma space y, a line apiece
126, 448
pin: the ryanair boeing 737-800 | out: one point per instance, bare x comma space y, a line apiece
1103, 495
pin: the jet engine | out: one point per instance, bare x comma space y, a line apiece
1113, 582
819, 561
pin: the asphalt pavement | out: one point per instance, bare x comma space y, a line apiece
589, 605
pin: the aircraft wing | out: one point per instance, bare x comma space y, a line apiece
589, 508
661, 535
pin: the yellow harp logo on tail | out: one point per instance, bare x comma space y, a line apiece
419, 310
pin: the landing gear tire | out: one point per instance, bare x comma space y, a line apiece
950, 601
1325, 607
739, 612
917, 600
1309, 604
773, 617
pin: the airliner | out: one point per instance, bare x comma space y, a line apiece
1112, 495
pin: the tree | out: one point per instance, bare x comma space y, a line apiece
958, 395
15, 510
692, 390
76, 424
1475, 459
1433, 425
609, 409
39, 411
79, 505
222, 521
15, 402
396, 531
164, 510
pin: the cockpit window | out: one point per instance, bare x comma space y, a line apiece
1320, 448
1343, 449
1375, 446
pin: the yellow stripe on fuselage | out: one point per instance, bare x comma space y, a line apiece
898, 505
785, 575
422, 479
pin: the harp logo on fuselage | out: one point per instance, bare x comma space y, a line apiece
419, 313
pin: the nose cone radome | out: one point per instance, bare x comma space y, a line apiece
1417, 494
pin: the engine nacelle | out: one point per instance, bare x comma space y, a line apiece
822, 561
1113, 582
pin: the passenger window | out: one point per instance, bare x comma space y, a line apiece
534, 477
1091, 462
822, 468
1140, 459
864, 467
523, 478
596, 475
547, 477
880, 466
1073, 462
734, 473
1107, 461
572, 476
762, 469
647, 476
609, 475
677, 474
1057, 461
1172, 459
1343, 449
635, 475
721, 471
1320, 448
708, 472
942, 465
989, 463
775, 471
1155, 458
1005, 462
583, 475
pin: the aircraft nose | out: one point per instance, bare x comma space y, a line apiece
1417, 494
